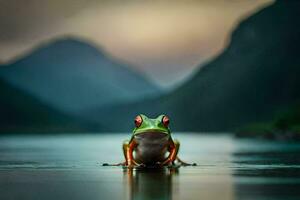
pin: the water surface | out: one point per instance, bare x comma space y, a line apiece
69, 167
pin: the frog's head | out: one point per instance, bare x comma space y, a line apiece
159, 125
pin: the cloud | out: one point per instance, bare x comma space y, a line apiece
143, 33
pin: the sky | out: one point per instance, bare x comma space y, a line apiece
167, 40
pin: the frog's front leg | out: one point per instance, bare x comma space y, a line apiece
173, 149
128, 148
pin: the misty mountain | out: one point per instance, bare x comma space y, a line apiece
256, 75
21, 113
73, 75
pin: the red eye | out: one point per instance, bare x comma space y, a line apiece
165, 121
138, 121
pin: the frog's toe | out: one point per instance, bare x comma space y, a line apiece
141, 165
130, 166
188, 164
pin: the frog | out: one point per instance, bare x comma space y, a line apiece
151, 144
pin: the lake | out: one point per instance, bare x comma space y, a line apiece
70, 167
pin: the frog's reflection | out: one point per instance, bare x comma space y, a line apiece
149, 184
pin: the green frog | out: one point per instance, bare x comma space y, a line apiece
151, 144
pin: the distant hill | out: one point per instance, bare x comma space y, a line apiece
285, 125
21, 113
73, 76
256, 75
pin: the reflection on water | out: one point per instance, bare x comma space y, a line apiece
270, 170
69, 167
149, 184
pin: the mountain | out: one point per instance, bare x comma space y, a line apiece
73, 76
21, 113
256, 75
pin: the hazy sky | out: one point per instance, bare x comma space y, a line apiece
164, 39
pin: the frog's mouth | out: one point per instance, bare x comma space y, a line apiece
153, 134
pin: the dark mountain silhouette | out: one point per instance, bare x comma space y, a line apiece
21, 113
73, 75
256, 75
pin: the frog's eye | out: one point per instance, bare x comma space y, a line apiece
165, 121
138, 121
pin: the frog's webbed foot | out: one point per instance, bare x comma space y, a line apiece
140, 166
134, 166
185, 163
117, 164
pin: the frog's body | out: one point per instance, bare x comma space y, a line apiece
151, 147
151, 143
